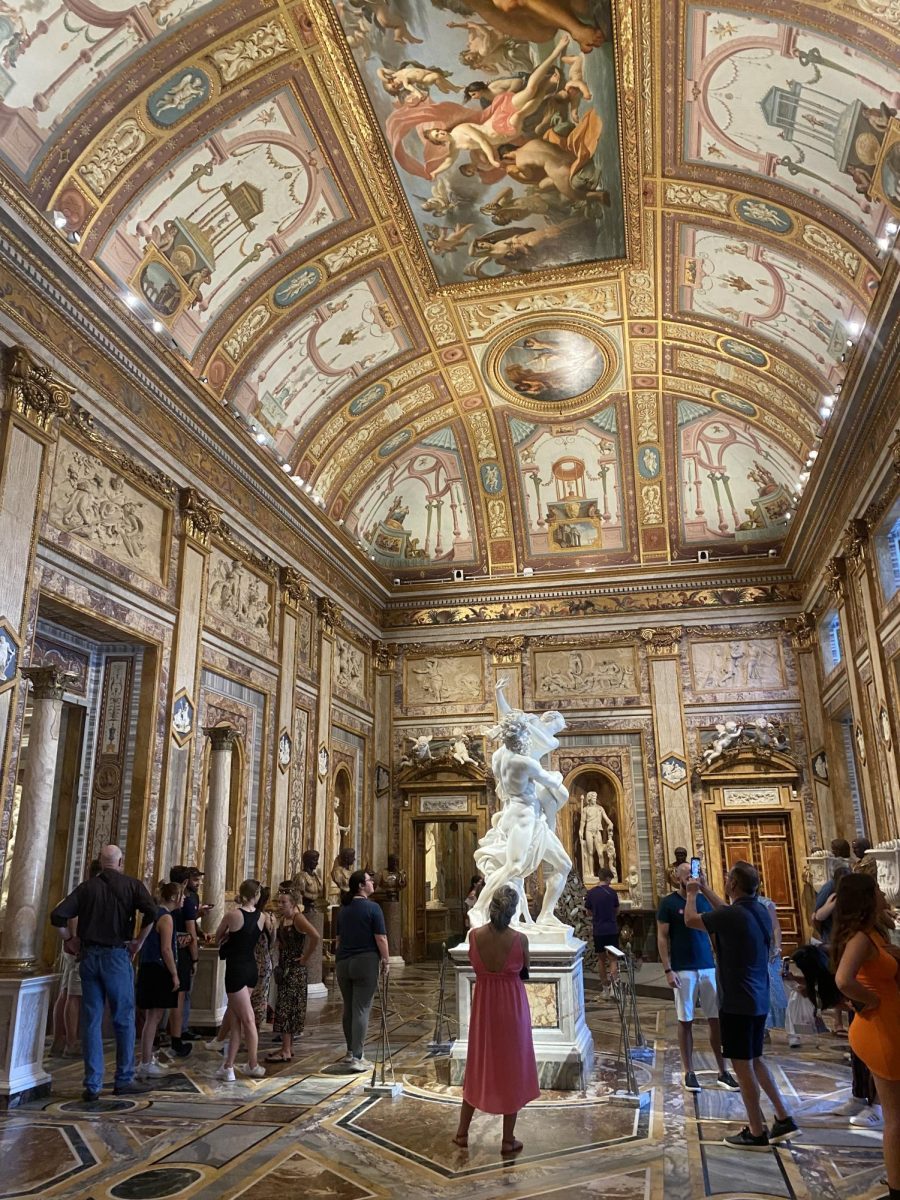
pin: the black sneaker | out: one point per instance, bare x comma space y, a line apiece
692, 1083
783, 1129
727, 1080
90, 1096
188, 1035
182, 1051
132, 1089
745, 1140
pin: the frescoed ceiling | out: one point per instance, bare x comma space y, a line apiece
564, 286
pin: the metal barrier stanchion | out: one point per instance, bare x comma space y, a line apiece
383, 1082
620, 996
440, 1041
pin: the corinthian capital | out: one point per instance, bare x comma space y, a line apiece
31, 390
48, 683
294, 588
221, 737
200, 517
802, 629
384, 656
329, 613
506, 651
663, 640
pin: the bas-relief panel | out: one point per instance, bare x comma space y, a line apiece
250, 193
570, 485
52, 55
788, 103
740, 665
735, 482
487, 105
325, 350
579, 673
442, 679
763, 290
417, 511
100, 507
238, 597
350, 671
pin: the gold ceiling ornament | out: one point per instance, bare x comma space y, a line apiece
330, 613
534, 365
294, 588
662, 641
32, 391
646, 411
599, 300
802, 629
200, 518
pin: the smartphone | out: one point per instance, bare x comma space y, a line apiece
695, 868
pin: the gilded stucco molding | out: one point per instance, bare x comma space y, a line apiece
835, 576
200, 518
663, 641
294, 588
330, 613
32, 391
802, 629
384, 657
506, 651
80, 422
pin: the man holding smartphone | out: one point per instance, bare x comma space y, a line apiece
686, 955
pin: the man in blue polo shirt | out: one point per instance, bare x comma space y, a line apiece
687, 958
603, 905
742, 932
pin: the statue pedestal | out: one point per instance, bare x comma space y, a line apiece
820, 867
316, 987
208, 1001
563, 1046
24, 1003
394, 927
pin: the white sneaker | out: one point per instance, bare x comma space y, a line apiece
150, 1070
871, 1117
360, 1064
226, 1073
213, 1045
257, 1072
347, 1059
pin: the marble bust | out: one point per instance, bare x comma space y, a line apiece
343, 869
392, 880
308, 881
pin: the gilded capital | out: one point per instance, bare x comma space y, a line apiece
48, 683
506, 651
329, 613
294, 588
663, 640
31, 390
802, 629
199, 516
856, 537
384, 656
222, 737
835, 573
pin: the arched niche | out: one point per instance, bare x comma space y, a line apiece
343, 811
589, 833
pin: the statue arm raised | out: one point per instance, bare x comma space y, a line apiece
502, 703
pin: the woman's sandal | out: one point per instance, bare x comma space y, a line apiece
279, 1056
513, 1147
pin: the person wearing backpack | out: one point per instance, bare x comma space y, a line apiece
742, 933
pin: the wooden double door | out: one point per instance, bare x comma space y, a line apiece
766, 841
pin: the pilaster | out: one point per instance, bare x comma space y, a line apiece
662, 646
329, 618
802, 630
288, 757
506, 661
384, 662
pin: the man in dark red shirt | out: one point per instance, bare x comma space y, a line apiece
603, 905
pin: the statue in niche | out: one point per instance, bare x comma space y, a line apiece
595, 833
338, 830
392, 880
343, 869
309, 880
523, 836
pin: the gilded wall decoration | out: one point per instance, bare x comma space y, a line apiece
238, 595
600, 300
646, 411
443, 679
462, 380
687, 195
247, 53
350, 670
480, 425
365, 246
739, 665
584, 673
100, 507
114, 155
651, 505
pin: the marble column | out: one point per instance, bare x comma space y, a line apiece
27, 872
215, 854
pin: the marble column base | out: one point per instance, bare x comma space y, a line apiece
563, 1045
24, 1006
208, 1001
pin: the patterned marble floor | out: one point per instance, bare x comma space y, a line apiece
308, 1130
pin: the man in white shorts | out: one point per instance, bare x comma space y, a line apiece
687, 956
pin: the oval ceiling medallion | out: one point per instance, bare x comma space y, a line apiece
552, 368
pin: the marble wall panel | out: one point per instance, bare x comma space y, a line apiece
444, 680
351, 672
737, 665
585, 673
239, 598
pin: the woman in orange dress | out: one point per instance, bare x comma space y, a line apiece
501, 1073
866, 966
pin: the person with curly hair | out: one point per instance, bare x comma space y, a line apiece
866, 966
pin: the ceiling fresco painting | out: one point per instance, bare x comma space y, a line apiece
502, 126
250, 193
791, 103
549, 284
735, 482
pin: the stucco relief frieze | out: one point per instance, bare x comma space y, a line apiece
238, 596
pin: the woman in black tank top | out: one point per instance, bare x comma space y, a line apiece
237, 936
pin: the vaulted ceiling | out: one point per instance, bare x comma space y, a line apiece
555, 285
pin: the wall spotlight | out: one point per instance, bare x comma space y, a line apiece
528, 571
204, 379
702, 556
396, 583
458, 576
59, 219
773, 553
158, 327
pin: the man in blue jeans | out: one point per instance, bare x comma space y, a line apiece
100, 915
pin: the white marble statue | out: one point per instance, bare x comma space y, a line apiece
727, 735
595, 833
522, 836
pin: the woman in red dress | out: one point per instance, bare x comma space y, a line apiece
501, 1073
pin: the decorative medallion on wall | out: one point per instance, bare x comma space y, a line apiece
285, 750
382, 779
885, 723
820, 767
860, 743
322, 760
552, 368
182, 718
673, 770
9, 656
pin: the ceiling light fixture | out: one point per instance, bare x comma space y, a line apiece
59, 219
131, 300
205, 379
892, 228
158, 326
528, 571
286, 466
883, 243
824, 412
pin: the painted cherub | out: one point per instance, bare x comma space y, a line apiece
416, 80
444, 241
